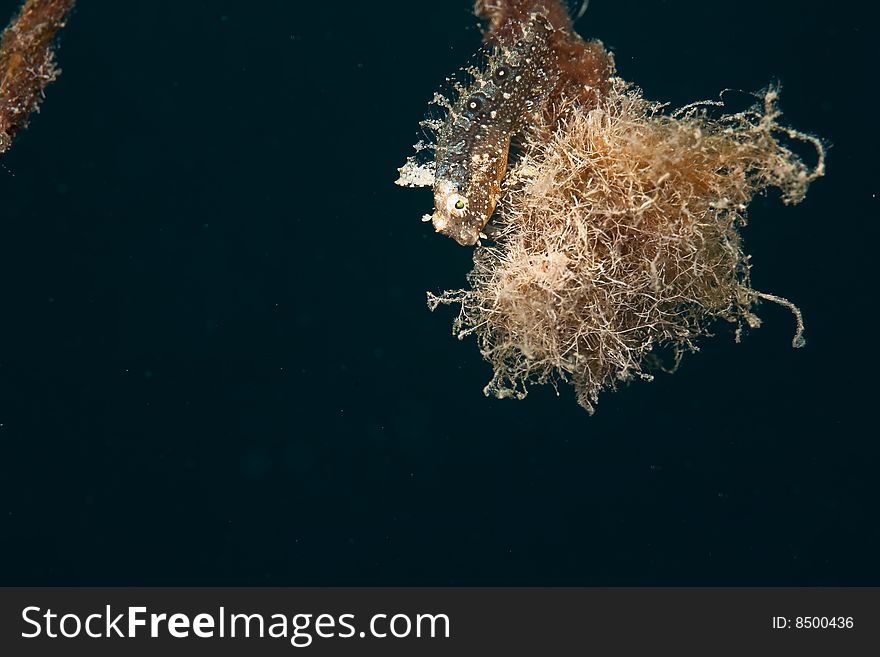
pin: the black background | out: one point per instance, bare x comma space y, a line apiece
217, 367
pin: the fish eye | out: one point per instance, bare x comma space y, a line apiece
501, 72
455, 205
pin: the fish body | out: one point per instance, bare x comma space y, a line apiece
534, 66
474, 141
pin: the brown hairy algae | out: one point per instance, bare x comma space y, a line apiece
27, 62
617, 227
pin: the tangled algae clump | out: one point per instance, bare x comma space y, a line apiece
618, 235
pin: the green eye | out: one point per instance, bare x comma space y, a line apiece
459, 205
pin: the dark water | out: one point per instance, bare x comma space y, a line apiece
217, 367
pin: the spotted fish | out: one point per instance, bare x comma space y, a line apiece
473, 140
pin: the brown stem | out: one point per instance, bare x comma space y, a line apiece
27, 63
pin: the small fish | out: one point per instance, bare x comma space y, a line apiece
534, 64
473, 140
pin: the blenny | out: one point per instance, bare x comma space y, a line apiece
534, 64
